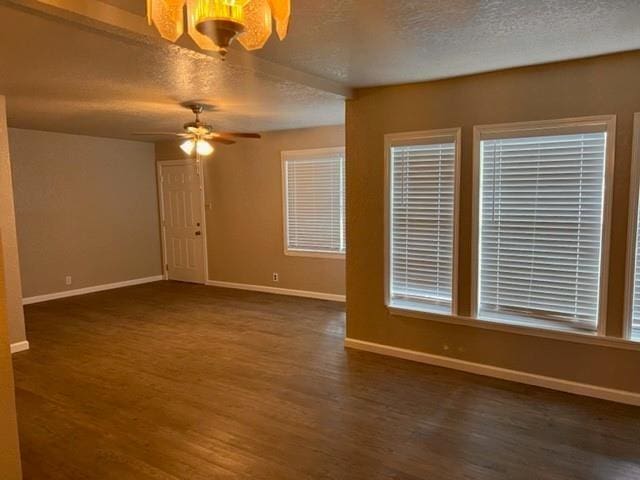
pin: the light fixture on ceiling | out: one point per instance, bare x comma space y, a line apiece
202, 147
199, 135
214, 24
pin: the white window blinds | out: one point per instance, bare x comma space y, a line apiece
635, 316
540, 227
314, 201
421, 221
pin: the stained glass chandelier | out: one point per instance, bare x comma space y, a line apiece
214, 24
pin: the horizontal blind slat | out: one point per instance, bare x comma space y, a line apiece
422, 208
315, 202
541, 225
635, 309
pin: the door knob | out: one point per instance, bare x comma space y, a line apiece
198, 233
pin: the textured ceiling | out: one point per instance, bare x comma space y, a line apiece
138, 7
59, 76
378, 42
62, 74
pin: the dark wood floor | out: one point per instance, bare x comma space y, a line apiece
176, 381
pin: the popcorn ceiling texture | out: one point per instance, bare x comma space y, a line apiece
80, 79
380, 42
70, 79
134, 6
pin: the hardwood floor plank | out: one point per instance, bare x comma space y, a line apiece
176, 381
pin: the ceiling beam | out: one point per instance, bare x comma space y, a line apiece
103, 17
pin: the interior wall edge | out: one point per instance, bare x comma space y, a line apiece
10, 465
8, 214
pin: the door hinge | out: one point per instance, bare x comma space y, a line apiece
166, 267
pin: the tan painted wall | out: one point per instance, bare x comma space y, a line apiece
244, 225
10, 468
605, 85
8, 226
85, 207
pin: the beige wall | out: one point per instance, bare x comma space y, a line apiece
604, 85
85, 207
244, 225
11, 315
8, 226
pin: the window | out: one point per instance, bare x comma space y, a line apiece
541, 221
633, 264
313, 184
421, 202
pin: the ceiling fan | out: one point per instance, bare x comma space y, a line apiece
198, 134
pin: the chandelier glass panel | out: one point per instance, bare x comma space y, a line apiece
214, 24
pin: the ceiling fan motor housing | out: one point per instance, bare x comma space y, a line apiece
198, 128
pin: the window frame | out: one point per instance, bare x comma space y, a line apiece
632, 227
416, 138
543, 128
286, 156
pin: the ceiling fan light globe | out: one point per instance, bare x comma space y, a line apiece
188, 146
204, 148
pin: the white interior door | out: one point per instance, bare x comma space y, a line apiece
182, 222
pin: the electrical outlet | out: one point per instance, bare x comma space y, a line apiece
275, 276
67, 279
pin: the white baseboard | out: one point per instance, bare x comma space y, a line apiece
279, 291
83, 291
19, 346
585, 389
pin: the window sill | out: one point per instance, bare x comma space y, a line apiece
422, 307
316, 254
569, 335
531, 322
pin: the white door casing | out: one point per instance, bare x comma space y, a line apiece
182, 216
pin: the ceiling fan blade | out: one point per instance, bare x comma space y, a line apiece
225, 141
237, 134
159, 133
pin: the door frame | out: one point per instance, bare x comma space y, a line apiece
200, 166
